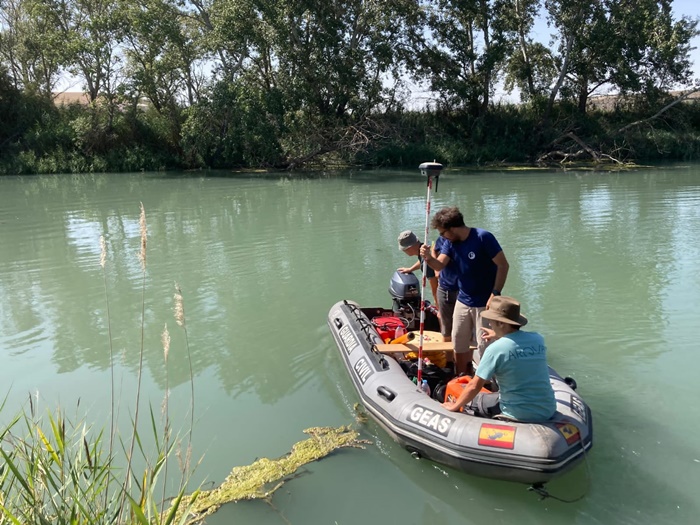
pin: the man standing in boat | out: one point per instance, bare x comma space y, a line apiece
518, 361
481, 268
410, 245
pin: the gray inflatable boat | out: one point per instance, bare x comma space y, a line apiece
508, 450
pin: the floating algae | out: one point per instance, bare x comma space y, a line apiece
360, 414
263, 477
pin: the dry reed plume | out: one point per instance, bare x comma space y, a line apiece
165, 340
179, 310
142, 257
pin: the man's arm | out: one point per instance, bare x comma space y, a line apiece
470, 391
436, 263
502, 267
412, 269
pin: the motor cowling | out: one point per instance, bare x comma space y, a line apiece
405, 287
405, 292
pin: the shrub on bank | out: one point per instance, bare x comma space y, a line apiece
234, 127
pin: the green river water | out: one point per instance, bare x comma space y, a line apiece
606, 265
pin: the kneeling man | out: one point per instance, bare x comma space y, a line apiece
518, 361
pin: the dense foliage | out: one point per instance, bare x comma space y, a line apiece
255, 83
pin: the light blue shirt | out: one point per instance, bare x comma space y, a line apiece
519, 363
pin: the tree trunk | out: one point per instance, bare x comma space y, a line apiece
524, 50
562, 75
486, 82
582, 95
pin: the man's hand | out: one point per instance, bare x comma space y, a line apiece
425, 252
487, 334
452, 407
405, 270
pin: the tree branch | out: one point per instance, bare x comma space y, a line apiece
660, 112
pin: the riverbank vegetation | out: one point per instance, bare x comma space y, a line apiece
286, 84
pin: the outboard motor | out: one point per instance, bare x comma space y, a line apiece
404, 289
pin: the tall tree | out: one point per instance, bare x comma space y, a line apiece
628, 45
162, 53
30, 47
578, 24
90, 36
330, 61
466, 49
655, 47
531, 67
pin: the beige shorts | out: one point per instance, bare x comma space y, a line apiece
466, 328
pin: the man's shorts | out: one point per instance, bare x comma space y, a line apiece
466, 327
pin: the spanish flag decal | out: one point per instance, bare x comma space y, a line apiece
499, 436
570, 432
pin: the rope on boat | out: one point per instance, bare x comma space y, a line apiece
541, 490
366, 326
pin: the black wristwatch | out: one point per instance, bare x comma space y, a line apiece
495, 292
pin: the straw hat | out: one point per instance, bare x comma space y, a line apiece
506, 310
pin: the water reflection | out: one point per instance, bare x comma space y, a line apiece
260, 260
606, 266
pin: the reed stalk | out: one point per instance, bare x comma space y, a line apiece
142, 258
103, 262
165, 341
180, 319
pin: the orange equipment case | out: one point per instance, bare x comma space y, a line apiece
456, 386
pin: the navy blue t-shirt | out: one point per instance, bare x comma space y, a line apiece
476, 270
448, 275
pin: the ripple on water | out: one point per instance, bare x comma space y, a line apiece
27, 341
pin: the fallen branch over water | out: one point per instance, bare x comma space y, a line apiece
264, 476
571, 155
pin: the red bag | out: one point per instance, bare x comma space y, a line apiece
386, 326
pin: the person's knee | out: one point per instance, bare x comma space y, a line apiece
486, 405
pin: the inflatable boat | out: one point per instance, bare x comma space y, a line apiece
382, 375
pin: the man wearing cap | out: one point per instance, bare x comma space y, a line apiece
481, 268
518, 361
410, 245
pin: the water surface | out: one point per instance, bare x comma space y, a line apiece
607, 267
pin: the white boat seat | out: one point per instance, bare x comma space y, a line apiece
413, 347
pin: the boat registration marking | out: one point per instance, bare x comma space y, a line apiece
363, 370
349, 339
570, 432
430, 419
499, 436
